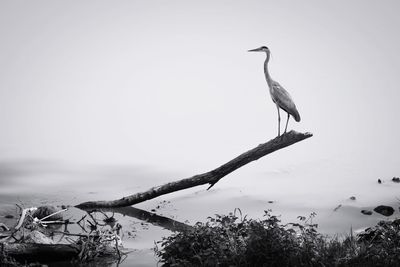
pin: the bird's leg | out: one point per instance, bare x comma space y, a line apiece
287, 121
279, 121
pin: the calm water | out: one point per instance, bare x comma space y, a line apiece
297, 190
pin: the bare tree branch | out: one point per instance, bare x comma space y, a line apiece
211, 177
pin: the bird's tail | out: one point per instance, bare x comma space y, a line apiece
296, 115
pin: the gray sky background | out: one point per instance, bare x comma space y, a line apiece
169, 84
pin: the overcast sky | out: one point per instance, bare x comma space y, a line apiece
170, 84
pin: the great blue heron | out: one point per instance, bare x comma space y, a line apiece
279, 95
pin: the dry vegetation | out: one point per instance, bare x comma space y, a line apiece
37, 238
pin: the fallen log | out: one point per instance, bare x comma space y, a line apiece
39, 252
211, 177
48, 253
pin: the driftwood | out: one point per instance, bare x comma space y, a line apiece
49, 253
211, 177
33, 252
39, 252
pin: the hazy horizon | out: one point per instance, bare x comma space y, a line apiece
171, 85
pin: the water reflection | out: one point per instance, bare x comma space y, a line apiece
153, 218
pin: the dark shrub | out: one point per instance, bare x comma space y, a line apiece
233, 240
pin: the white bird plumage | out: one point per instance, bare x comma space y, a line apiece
279, 95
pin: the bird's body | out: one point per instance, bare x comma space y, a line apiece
282, 98
279, 95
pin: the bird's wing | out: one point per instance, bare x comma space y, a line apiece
281, 97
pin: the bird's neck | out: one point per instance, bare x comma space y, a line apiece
267, 76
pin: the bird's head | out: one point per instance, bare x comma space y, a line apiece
261, 49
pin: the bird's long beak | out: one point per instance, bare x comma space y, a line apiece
254, 50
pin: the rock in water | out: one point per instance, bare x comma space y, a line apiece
366, 212
396, 179
384, 210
